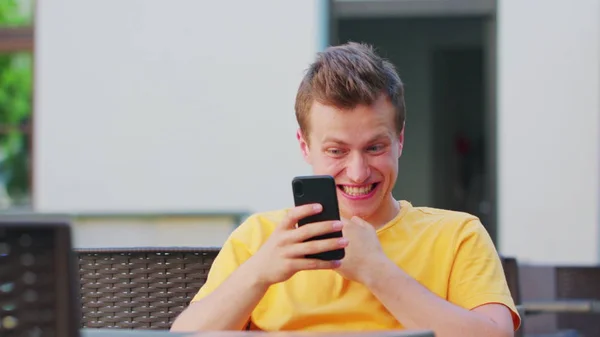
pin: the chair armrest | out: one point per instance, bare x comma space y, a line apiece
559, 306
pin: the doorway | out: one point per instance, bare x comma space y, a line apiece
449, 146
459, 142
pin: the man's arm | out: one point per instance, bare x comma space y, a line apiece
216, 312
238, 280
417, 308
476, 279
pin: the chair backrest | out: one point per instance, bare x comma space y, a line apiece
147, 288
140, 288
574, 282
38, 283
511, 272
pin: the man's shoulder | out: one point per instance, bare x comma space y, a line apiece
444, 228
436, 214
439, 219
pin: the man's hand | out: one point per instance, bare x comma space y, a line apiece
283, 254
363, 251
230, 305
365, 262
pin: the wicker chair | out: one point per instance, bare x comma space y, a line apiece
574, 282
511, 272
570, 283
146, 288
37, 279
139, 288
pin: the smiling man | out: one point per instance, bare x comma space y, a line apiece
405, 267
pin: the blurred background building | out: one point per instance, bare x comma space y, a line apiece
165, 123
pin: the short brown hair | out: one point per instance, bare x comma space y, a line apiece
346, 76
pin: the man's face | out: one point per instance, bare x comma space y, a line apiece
360, 149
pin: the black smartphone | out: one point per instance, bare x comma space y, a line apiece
319, 189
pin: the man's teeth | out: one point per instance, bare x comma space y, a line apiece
356, 191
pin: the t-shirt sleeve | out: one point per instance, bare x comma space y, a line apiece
230, 257
477, 276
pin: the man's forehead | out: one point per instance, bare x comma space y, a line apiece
371, 121
360, 124
380, 112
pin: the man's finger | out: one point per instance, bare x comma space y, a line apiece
302, 249
314, 264
297, 213
316, 229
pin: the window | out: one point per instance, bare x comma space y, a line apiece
16, 87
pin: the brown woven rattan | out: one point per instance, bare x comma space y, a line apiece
139, 288
511, 272
574, 282
146, 288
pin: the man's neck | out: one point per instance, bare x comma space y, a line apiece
386, 212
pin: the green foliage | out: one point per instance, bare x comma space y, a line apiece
15, 110
15, 88
15, 105
15, 12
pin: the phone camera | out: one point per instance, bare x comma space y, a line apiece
298, 188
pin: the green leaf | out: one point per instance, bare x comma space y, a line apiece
16, 13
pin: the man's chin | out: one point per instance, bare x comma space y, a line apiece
361, 213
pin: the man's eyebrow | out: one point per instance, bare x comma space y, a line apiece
334, 140
379, 136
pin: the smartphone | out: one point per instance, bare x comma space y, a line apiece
319, 189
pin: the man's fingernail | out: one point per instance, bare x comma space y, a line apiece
317, 207
336, 263
343, 241
338, 225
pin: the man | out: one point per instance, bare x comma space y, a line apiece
405, 267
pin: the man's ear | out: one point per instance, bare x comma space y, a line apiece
303, 146
401, 142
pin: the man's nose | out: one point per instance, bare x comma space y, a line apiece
358, 169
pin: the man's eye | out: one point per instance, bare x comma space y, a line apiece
375, 148
335, 152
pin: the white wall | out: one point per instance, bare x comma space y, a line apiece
151, 231
548, 130
146, 106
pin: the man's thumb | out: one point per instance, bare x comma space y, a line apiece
358, 220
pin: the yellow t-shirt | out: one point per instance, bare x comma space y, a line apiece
448, 252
